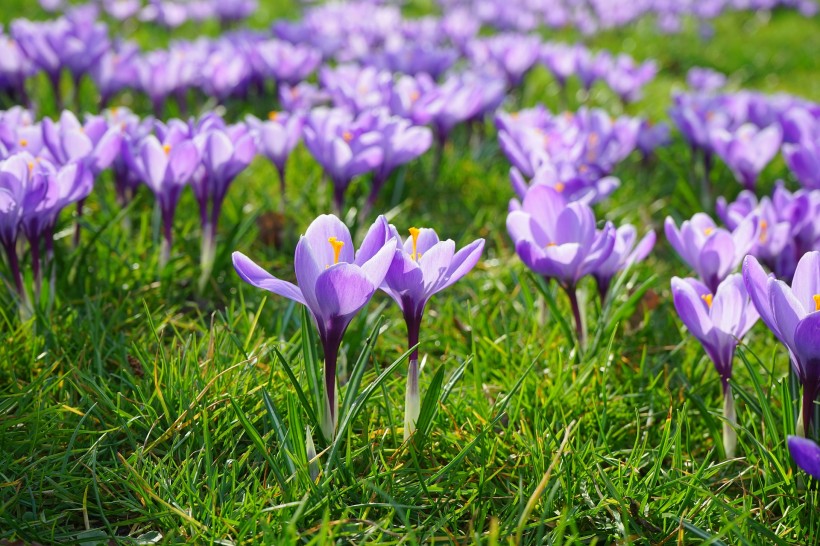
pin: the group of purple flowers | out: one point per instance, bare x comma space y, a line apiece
336, 281
168, 13
368, 91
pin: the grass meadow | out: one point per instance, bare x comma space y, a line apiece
139, 410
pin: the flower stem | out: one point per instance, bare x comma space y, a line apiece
572, 293
729, 423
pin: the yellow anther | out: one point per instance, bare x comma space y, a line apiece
764, 228
551, 245
272, 115
593, 138
559, 187
337, 248
414, 233
816, 302
414, 96
166, 148
347, 136
31, 166
23, 142
708, 299
708, 231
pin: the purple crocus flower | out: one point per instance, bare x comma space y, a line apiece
301, 97
803, 159
284, 62
15, 194
559, 240
778, 227
115, 71
806, 454
652, 136
225, 151
275, 139
793, 315
334, 282
93, 143
165, 167
345, 147
513, 54
747, 150
705, 79
718, 321
422, 267
626, 251
560, 60
401, 143
565, 179
356, 88
43, 43
712, 252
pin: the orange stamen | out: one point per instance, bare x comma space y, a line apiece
708, 299
337, 248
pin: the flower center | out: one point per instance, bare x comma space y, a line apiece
708, 299
551, 245
708, 231
272, 115
559, 187
166, 148
414, 233
816, 298
414, 96
347, 136
764, 228
23, 142
337, 248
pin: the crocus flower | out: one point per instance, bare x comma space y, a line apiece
718, 321
345, 147
275, 139
806, 454
793, 315
803, 159
422, 267
705, 79
401, 143
225, 151
43, 43
94, 143
626, 251
748, 150
284, 62
513, 54
334, 282
778, 227
165, 167
559, 240
712, 252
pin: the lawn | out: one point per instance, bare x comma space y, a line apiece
140, 408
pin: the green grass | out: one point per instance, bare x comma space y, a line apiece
139, 408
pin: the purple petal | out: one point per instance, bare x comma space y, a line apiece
806, 454
258, 277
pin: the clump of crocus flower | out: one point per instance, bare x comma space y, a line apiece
559, 240
792, 313
747, 150
718, 320
422, 267
165, 163
33, 191
335, 282
344, 146
712, 252
225, 151
276, 138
